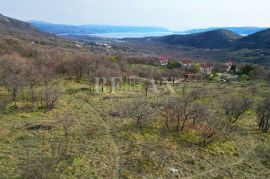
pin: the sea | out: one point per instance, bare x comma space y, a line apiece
133, 35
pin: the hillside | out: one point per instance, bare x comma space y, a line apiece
215, 39
212, 39
238, 30
61, 29
259, 39
14, 33
10, 26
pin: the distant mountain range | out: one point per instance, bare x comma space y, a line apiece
254, 48
215, 39
62, 29
238, 30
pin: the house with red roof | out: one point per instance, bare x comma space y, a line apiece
206, 68
185, 63
163, 60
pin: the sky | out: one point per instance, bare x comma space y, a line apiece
172, 14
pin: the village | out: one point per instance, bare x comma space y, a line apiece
195, 70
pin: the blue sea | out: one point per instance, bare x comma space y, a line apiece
132, 35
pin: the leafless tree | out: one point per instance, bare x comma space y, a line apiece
50, 96
138, 109
164, 107
263, 115
67, 119
253, 90
183, 111
147, 83
14, 83
198, 93
32, 78
45, 66
159, 152
213, 128
200, 112
79, 63
209, 130
13, 75
235, 107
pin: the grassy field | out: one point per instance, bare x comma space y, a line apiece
80, 139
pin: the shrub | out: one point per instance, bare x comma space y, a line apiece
50, 96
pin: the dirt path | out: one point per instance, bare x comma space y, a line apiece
102, 149
104, 132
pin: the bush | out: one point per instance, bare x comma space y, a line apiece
50, 96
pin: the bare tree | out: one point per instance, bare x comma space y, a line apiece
165, 109
147, 83
253, 90
209, 130
139, 110
263, 115
67, 119
147, 76
50, 96
13, 75
159, 152
45, 66
78, 65
183, 111
235, 107
198, 93
32, 78
212, 128
200, 112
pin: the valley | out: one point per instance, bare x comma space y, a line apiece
177, 106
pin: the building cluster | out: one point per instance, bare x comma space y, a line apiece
194, 69
104, 44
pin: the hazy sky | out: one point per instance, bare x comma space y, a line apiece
174, 14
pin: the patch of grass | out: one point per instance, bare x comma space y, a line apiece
222, 148
186, 136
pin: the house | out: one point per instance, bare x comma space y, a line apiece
186, 64
104, 44
206, 68
163, 60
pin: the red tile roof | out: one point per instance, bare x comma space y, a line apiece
186, 61
206, 65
